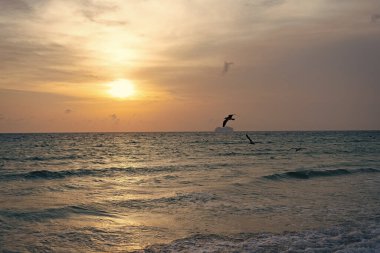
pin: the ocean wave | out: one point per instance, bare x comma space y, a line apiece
54, 213
307, 174
42, 158
101, 172
362, 238
47, 174
255, 153
197, 198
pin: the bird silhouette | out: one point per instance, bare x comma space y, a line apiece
226, 67
375, 17
226, 119
250, 140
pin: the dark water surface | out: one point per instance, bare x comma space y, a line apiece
191, 192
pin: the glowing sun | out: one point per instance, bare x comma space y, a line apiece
121, 88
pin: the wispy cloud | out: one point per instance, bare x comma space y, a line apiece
12, 7
29, 60
177, 49
99, 13
266, 3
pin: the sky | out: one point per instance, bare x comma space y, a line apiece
295, 65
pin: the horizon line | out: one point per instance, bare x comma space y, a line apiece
133, 132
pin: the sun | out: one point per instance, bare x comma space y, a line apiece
121, 88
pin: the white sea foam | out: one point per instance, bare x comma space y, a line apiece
349, 238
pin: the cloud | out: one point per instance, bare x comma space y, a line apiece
68, 111
266, 3
97, 13
62, 44
272, 2
32, 55
29, 59
11, 7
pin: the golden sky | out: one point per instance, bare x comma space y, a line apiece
297, 65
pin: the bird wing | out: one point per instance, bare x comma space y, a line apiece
225, 122
225, 68
248, 138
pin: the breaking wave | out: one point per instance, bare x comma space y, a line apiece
307, 174
101, 172
54, 213
42, 158
357, 238
197, 198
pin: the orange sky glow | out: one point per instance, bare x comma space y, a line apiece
136, 66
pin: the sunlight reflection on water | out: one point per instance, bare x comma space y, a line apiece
110, 192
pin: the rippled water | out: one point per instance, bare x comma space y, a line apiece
190, 192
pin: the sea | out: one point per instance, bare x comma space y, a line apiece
190, 192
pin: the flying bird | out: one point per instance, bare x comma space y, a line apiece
250, 140
226, 67
375, 17
226, 119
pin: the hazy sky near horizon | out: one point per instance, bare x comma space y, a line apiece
297, 65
